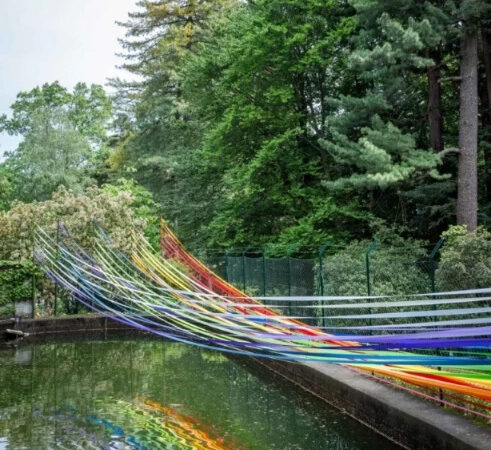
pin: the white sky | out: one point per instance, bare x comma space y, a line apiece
42, 41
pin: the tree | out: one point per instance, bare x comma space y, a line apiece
77, 212
400, 53
468, 123
142, 205
63, 132
260, 85
472, 14
87, 108
160, 34
158, 130
52, 154
485, 130
408, 36
295, 120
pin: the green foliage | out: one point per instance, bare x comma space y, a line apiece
142, 205
16, 281
321, 224
77, 212
290, 121
90, 110
87, 108
255, 83
52, 154
158, 132
382, 157
6, 187
378, 135
62, 131
163, 31
397, 267
465, 259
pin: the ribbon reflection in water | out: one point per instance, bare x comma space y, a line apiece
143, 425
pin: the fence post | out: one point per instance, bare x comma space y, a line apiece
432, 263
244, 267
227, 274
57, 257
371, 247
33, 286
322, 251
265, 249
33, 295
289, 254
291, 249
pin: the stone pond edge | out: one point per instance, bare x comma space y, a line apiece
405, 419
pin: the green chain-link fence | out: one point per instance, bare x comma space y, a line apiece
358, 269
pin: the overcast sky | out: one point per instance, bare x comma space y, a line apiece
42, 41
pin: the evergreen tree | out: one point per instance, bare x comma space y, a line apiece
296, 120
472, 14
261, 84
158, 130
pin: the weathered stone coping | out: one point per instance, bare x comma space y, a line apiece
64, 324
407, 420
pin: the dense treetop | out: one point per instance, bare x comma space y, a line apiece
268, 121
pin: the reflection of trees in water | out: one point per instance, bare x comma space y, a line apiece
238, 406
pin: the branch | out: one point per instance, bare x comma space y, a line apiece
447, 151
454, 78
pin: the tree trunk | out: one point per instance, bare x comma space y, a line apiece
485, 95
468, 123
486, 47
435, 122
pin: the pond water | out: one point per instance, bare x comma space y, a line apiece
151, 394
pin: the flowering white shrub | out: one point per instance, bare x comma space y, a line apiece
77, 212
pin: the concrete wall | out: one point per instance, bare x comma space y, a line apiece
64, 324
404, 418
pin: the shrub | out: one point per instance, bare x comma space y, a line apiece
465, 259
76, 212
143, 206
111, 209
398, 269
15, 283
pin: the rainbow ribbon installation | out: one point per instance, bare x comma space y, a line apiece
424, 343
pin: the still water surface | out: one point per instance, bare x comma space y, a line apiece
154, 394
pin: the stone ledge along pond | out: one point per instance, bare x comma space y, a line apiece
155, 394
